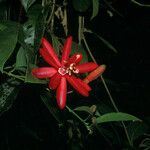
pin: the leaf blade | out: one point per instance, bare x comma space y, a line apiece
83, 109
95, 8
21, 60
116, 116
8, 40
27, 4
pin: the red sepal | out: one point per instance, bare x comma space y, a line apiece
84, 85
44, 72
66, 50
86, 67
54, 81
51, 53
76, 58
47, 57
61, 93
76, 85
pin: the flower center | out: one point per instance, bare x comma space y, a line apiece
69, 70
62, 71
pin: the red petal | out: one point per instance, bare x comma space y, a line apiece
50, 51
66, 50
84, 85
44, 72
87, 67
76, 84
54, 81
48, 58
61, 93
76, 58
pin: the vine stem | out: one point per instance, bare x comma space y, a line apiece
140, 4
80, 29
14, 76
107, 90
66, 26
85, 123
51, 15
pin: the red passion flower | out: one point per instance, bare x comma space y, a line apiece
63, 71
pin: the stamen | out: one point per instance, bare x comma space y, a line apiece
76, 71
72, 66
69, 70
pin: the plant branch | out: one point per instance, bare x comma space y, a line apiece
50, 19
80, 29
107, 90
14, 76
88, 49
66, 26
76, 115
140, 4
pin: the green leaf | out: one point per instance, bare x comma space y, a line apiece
2, 27
21, 60
84, 109
34, 28
30, 78
116, 116
76, 48
39, 31
27, 4
30, 38
81, 5
8, 93
95, 8
8, 40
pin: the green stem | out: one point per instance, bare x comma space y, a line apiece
51, 19
88, 49
80, 29
112, 8
85, 124
43, 3
14, 76
139, 4
109, 94
66, 26
9, 67
107, 90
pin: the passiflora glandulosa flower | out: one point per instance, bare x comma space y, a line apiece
63, 71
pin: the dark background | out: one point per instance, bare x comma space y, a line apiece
129, 68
